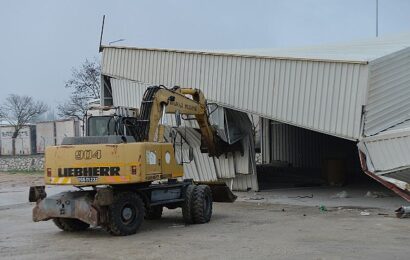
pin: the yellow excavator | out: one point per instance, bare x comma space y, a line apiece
125, 171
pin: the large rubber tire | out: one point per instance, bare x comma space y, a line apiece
187, 206
70, 224
202, 204
126, 214
154, 212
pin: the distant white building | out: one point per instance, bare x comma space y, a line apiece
50, 133
25, 142
33, 139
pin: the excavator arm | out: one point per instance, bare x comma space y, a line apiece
158, 101
187, 101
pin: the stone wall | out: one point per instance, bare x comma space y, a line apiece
22, 163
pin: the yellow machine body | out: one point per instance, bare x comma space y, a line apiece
107, 164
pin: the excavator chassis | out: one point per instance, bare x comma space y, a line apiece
97, 207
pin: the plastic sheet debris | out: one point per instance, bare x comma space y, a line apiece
376, 194
302, 197
255, 198
364, 213
340, 195
403, 212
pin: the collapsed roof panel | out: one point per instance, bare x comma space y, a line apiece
387, 155
388, 102
325, 96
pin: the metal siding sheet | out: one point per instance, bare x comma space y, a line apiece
402, 175
225, 166
221, 77
389, 92
388, 151
205, 168
127, 93
243, 183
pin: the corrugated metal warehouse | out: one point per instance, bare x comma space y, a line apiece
353, 92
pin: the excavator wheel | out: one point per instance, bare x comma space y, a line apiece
154, 212
70, 224
126, 214
202, 204
187, 206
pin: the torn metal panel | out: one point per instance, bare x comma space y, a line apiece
237, 125
387, 151
246, 163
217, 119
225, 166
231, 125
388, 183
387, 158
388, 102
243, 183
204, 166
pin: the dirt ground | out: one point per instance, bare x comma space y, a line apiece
8, 180
248, 229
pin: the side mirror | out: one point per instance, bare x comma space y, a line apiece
178, 118
191, 154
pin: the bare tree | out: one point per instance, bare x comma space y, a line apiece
85, 85
76, 107
18, 111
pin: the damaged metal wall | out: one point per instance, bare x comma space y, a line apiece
322, 95
127, 93
202, 168
230, 167
388, 101
350, 91
387, 158
386, 140
389, 150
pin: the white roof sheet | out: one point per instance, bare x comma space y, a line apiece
358, 51
362, 51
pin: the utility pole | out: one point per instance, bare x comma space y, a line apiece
377, 18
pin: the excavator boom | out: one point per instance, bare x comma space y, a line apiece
186, 101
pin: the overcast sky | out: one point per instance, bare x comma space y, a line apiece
40, 41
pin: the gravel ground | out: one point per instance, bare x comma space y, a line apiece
242, 230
